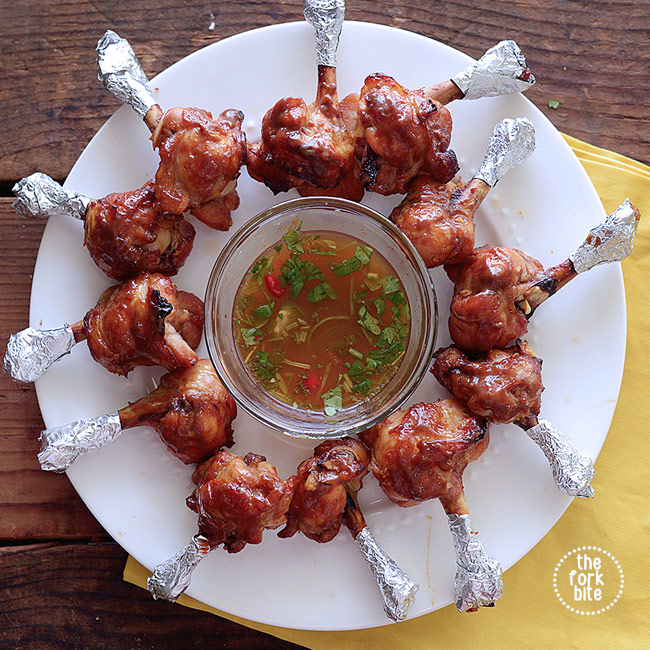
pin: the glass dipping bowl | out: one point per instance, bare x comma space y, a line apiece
320, 214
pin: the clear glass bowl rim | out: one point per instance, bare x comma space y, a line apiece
276, 420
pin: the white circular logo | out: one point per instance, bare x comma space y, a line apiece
588, 580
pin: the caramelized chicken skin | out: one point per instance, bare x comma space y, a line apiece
501, 385
489, 287
237, 499
438, 218
145, 321
200, 159
308, 143
129, 233
191, 411
406, 134
421, 453
327, 485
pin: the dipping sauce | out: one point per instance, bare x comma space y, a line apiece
321, 320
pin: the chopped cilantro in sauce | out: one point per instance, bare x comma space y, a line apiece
321, 321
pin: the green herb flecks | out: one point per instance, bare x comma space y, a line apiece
293, 240
397, 298
363, 386
555, 103
391, 284
333, 400
263, 311
368, 322
261, 267
251, 335
360, 258
322, 291
296, 272
363, 254
265, 365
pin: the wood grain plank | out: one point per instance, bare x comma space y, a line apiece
594, 57
72, 596
33, 504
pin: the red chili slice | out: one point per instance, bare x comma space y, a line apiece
311, 383
273, 285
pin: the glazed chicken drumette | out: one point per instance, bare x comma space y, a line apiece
506, 386
236, 499
145, 321
408, 132
309, 147
438, 218
326, 497
502, 386
190, 409
125, 233
420, 454
326, 491
497, 289
200, 155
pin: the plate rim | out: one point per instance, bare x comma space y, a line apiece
539, 115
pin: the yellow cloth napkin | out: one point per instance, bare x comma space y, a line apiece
529, 615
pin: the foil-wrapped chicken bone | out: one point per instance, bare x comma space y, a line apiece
145, 321
236, 499
125, 233
420, 454
408, 132
200, 156
326, 496
191, 411
438, 218
506, 386
309, 146
497, 289
501, 70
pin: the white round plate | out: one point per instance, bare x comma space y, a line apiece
137, 490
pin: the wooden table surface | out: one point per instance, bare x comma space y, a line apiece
61, 573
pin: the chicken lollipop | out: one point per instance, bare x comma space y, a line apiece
408, 132
200, 156
125, 234
190, 410
506, 386
438, 218
496, 290
501, 70
326, 496
236, 500
308, 144
145, 321
420, 454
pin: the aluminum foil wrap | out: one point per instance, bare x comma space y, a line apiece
326, 17
397, 589
61, 446
511, 142
478, 581
121, 73
172, 577
611, 241
39, 195
32, 351
572, 471
500, 71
